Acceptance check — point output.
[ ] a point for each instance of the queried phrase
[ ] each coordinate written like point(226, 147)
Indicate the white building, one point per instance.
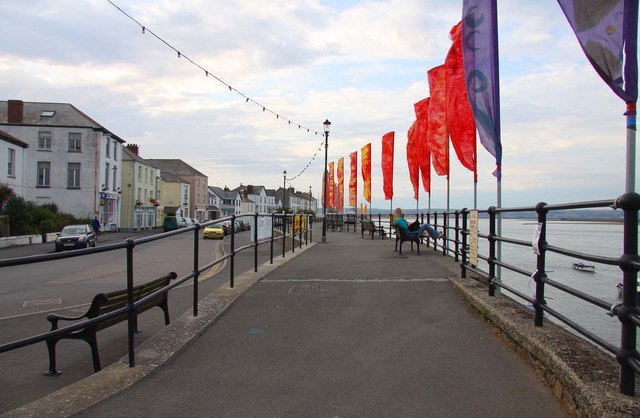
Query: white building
point(12, 162)
point(72, 160)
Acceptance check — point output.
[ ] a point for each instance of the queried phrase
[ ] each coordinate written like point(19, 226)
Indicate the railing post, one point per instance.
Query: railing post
point(233, 251)
point(540, 274)
point(196, 273)
point(273, 218)
point(255, 243)
point(445, 231)
point(456, 240)
point(131, 328)
point(465, 235)
point(630, 204)
point(284, 232)
point(492, 250)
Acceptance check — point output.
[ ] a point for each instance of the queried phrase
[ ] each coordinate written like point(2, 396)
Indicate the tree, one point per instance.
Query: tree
point(5, 193)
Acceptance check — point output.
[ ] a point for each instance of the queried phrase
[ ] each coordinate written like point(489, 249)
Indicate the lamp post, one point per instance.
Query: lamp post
point(284, 191)
point(327, 126)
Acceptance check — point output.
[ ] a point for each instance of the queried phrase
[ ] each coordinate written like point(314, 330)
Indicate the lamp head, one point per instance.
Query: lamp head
point(327, 126)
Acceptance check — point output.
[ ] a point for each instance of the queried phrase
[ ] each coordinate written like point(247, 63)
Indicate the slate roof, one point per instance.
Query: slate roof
point(175, 166)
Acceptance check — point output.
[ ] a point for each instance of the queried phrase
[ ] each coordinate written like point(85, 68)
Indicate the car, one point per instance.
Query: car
point(243, 226)
point(173, 222)
point(213, 231)
point(76, 236)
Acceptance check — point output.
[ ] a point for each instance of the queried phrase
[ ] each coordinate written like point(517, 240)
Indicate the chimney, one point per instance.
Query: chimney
point(15, 111)
point(133, 148)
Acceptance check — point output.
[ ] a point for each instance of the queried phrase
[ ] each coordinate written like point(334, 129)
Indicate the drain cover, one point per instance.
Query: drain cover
point(315, 287)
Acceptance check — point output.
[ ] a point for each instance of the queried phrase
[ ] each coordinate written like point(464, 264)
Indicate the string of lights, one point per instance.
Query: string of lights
point(232, 89)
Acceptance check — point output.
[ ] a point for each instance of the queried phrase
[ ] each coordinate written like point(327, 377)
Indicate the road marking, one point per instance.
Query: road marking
point(41, 302)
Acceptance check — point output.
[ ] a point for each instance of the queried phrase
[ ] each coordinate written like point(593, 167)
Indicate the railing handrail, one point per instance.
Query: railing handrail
point(129, 244)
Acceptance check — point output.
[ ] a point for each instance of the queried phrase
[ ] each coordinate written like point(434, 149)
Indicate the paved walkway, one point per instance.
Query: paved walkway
point(347, 328)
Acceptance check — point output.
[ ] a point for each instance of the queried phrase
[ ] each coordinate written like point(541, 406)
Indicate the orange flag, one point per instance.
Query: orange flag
point(437, 134)
point(412, 159)
point(340, 204)
point(366, 172)
point(460, 122)
point(424, 156)
point(353, 180)
point(387, 164)
point(331, 186)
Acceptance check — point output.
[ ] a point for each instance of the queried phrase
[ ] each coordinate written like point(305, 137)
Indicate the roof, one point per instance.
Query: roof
point(170, 177)
point(61, 115)
point(127, 154)
point(228, 194)
point(175, 166)
point(12, 140)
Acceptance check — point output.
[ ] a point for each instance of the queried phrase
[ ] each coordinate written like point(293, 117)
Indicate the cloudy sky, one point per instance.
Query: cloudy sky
point(360, 64)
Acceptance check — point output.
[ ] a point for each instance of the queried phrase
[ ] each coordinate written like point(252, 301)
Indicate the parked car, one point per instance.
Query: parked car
point(76, 236)
point(173, 222)
point(214, 231)
point(243, 226)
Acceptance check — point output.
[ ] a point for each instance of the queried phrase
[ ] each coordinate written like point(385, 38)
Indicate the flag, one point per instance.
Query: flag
point(387, 164)
point(437, 135)
point(424, 156)
point(462, 128)
point(331, 186)
point(353, 179)
point(366, 172)
point(412, 159)
point(340, 204)
point(480, 52)
point(606, 29)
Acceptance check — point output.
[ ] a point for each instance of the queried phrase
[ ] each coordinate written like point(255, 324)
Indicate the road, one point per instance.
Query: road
point(29, 292)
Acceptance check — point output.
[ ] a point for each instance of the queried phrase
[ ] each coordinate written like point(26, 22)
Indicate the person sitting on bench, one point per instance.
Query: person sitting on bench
point(402, 223)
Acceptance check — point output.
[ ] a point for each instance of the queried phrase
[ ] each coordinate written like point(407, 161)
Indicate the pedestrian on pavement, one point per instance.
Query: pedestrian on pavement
point(399, 221)
point(96, 224)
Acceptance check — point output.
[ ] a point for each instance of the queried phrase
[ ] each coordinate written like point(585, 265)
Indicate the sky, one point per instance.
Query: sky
point(360, 64)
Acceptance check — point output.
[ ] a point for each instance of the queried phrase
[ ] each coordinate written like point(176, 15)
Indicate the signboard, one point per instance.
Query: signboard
point(473, 237)
point(264, 228)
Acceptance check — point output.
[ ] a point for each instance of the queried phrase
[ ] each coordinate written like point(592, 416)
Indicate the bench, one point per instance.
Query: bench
point(367, 225)
point(334, 224)
point(402, 237)
point(104, 303)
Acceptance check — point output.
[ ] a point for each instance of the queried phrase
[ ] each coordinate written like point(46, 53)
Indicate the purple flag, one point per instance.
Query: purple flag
point(605, 28)
point(480, 53)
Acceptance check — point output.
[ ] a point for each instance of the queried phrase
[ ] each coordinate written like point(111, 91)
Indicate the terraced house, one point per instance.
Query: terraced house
point(71, 159)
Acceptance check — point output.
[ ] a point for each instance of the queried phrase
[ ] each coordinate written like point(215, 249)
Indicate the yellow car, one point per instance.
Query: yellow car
point(213, 231)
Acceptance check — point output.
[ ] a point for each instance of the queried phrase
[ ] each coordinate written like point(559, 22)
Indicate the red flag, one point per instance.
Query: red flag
point(412, 159)
point(387, 164)
point(437, 135)
point(424, 156)
point(353, 180)
point(340, 204)
point(332, 186)
point(366, 172)
point(460, 123)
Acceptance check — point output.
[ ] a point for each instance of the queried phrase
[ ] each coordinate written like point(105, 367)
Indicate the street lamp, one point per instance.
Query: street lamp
point(284, 191)
point(327, 126)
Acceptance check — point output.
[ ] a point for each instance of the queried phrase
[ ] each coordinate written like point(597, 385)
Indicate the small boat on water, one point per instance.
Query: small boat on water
point(584, 267)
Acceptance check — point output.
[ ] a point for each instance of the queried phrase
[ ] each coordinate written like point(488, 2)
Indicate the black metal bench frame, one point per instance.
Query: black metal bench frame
point(402, 237)
point(104, 303)
point(367, 225)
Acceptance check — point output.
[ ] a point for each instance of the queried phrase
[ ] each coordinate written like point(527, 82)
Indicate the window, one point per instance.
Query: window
point(139, 173)
point(44, 140)
point(114, 179)
point(106, 177)
point(139, 193)
point(11, 164)
point(146, 174)
point(115, 150)
point(73, 176)
point(107, 148)
point(47, 113)
point(44, 174)
point(75, 142)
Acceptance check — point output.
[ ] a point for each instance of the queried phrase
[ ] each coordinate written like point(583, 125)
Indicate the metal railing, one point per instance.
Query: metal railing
point(456, 227)
point(283, 227)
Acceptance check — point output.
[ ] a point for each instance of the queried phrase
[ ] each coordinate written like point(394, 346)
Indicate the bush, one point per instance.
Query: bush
point(5, 193)
point(20, 216)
